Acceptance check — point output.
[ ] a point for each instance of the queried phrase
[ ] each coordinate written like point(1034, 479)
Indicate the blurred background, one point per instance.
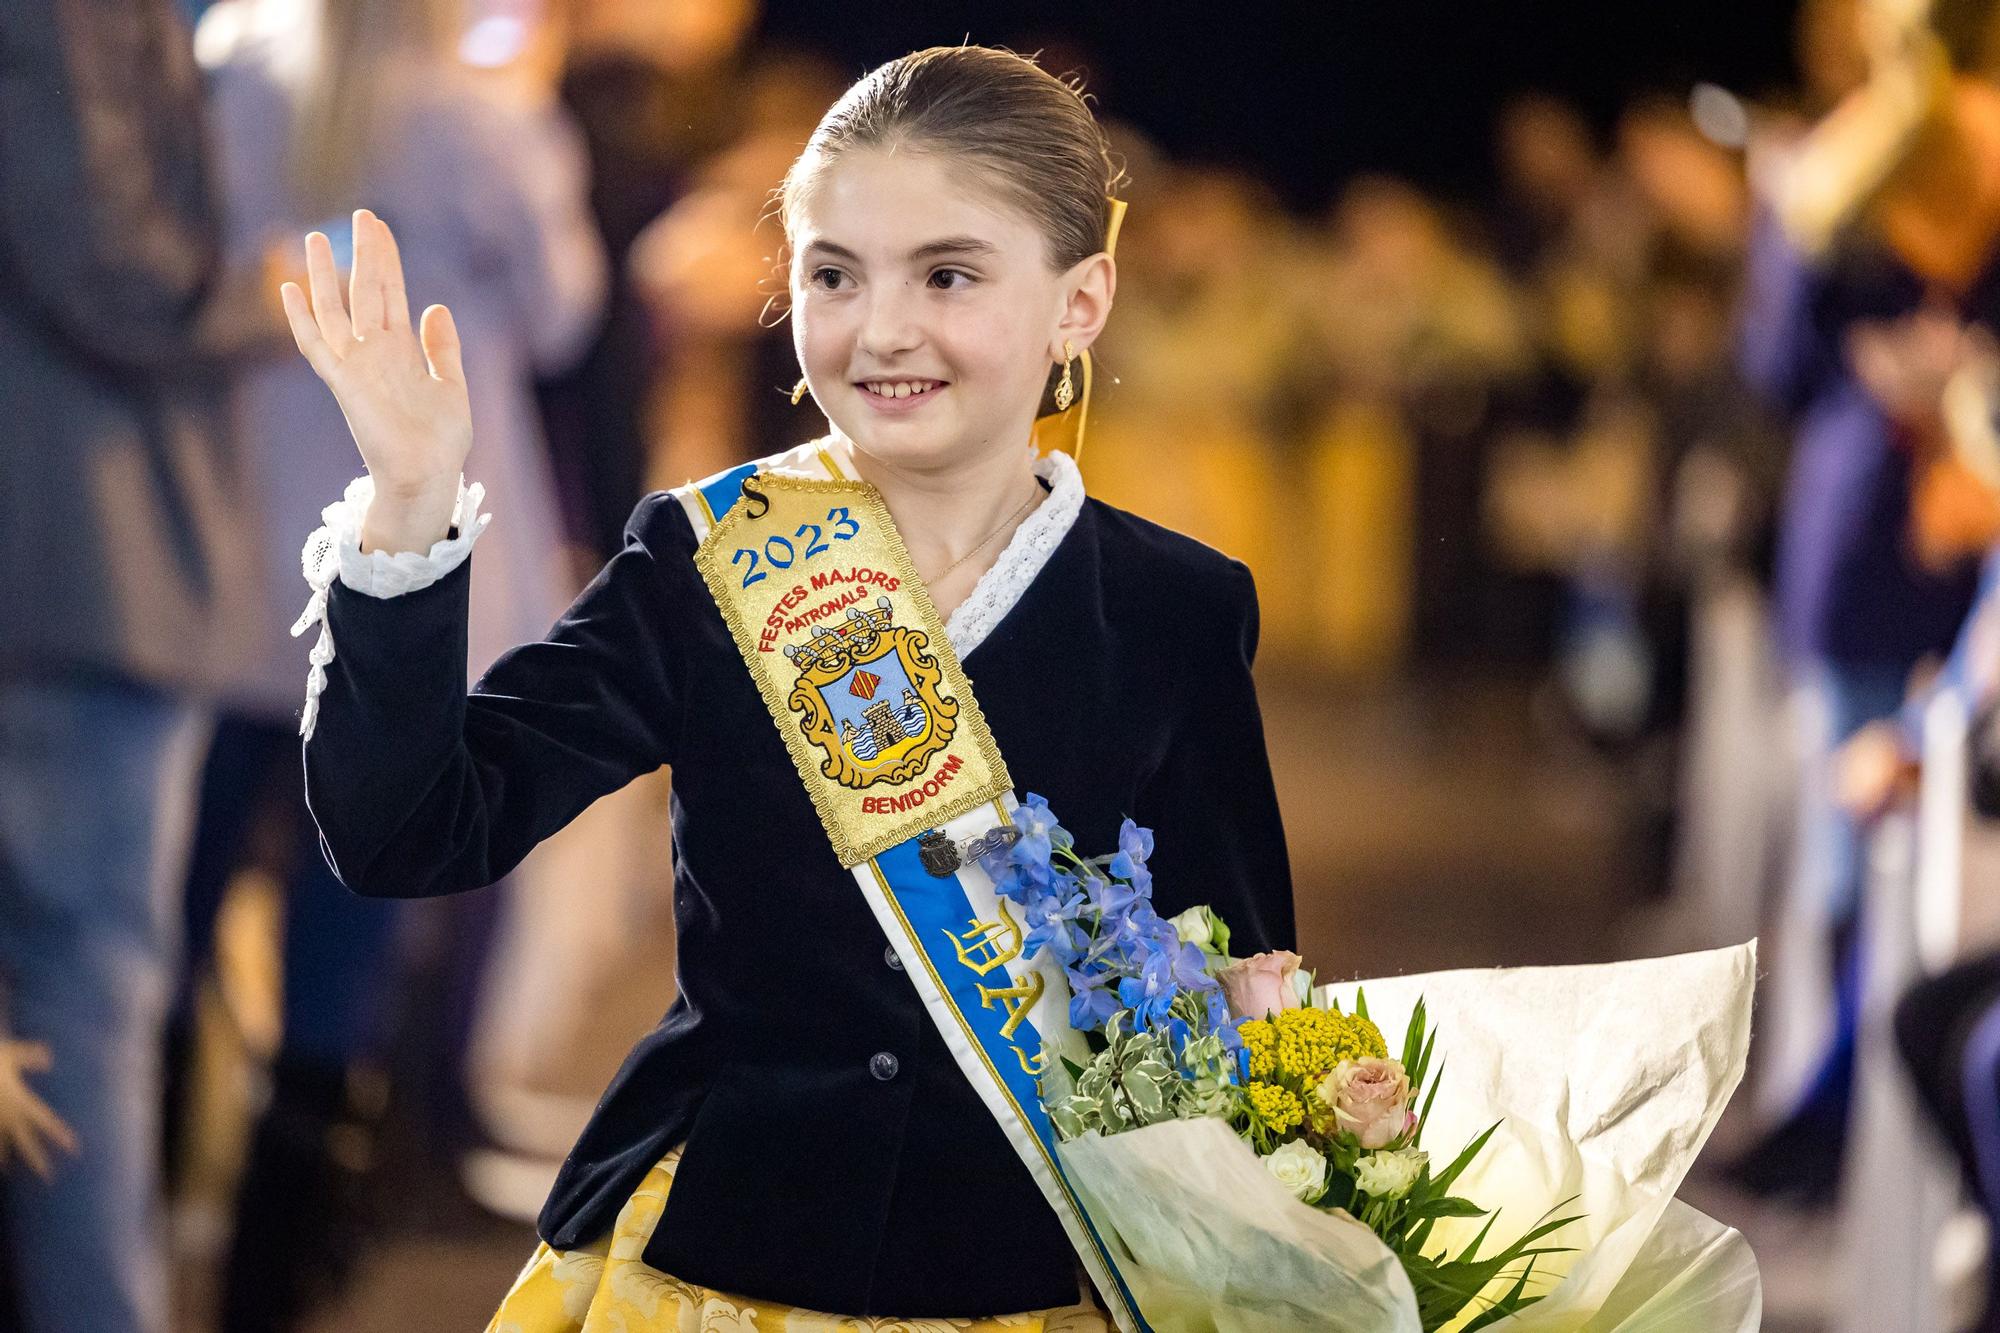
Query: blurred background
point(1604, 397)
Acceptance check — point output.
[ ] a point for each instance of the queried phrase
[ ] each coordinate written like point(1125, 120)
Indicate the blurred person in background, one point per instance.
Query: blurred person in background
point(1945, 1025)
point(1414, 318)
point(129, 552)
point(1550, 172)
point(708, 267)
point(318, 104)
point(1634, 441)
point(1884, 216)
point(655, 86)
point(1200, 313)
point(1829, 55)
point(1681, 598)
point(1556, 226)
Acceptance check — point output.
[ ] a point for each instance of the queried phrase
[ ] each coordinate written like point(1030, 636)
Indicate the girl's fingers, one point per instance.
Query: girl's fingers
point(33, 1056)
point(305, 330)
point(364, 298)
point(328, 312)
point(52, 1126)
point(36, 1157)
point(439, 334)
point(395, 301)
point(23, 1146)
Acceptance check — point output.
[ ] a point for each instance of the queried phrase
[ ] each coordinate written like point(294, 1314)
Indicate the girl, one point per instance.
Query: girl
point(947, 226)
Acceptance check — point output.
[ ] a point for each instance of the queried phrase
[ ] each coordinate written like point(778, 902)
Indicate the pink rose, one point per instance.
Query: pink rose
point(1261, 985)
point(1371, 1100)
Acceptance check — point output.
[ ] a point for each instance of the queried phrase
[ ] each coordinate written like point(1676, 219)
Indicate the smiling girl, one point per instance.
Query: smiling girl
point(796, 1135)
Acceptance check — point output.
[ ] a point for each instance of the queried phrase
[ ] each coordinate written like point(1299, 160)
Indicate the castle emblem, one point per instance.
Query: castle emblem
point(868, 697)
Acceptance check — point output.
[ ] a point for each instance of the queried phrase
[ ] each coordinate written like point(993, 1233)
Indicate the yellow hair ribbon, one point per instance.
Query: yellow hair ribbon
point(1064, 430)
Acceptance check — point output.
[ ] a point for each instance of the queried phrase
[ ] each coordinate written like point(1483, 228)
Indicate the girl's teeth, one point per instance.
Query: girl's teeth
point(902, 391)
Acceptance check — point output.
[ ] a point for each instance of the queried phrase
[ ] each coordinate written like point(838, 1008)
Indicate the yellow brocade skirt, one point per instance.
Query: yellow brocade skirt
point(607, 1288)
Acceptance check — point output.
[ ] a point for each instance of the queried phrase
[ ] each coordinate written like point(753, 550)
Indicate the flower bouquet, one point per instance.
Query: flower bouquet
point(1256, 1158)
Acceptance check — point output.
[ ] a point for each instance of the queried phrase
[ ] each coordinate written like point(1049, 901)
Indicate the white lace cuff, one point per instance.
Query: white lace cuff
point(334, 551)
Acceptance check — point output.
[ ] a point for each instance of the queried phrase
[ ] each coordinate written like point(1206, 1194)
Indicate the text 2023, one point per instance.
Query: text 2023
point(783, 552)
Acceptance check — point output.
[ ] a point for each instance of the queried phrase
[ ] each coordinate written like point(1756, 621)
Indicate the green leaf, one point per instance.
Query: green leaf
point(1446, 1207)
point(1464, 1159)
point(1424, 1116)
point(1479, 1239)
point(1413, 1038)
point(1548, 1228)
point(1419, 1077)
point(1513, 1302)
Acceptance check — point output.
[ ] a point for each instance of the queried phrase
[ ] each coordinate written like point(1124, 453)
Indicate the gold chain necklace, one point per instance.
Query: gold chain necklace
point(1005, 523)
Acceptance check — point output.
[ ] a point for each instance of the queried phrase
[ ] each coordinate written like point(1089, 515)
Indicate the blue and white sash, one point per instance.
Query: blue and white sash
point(853, 662)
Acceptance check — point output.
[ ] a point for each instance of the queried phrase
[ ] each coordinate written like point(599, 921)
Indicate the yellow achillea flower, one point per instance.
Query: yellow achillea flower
point(1312, 1041)
point(1278, 1108)
point(1261, 1040)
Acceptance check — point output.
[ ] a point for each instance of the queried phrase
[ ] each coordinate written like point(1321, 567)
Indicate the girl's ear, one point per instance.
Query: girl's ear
point(1090, 287)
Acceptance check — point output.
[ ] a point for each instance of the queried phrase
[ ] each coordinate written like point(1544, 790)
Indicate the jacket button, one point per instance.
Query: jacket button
point(889, 957)
point(883, 1065)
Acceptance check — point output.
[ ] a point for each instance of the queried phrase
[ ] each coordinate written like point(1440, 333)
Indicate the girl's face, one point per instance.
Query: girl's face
point(924, 310)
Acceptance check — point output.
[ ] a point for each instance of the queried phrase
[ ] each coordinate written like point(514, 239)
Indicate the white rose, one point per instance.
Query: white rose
point(1300, 1169)
point(1192, 927)
point(1389, 1175)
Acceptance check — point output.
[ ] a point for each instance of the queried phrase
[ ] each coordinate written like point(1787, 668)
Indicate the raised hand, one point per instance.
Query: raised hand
point(402, 391)
point(29, 1131)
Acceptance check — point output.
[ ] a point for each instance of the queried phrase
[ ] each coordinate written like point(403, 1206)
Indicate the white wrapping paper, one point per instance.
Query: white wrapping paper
point(1208, 1239)
point(1608, 1080)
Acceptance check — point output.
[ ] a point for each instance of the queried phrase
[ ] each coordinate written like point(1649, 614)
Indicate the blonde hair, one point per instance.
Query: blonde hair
point(1029, 134)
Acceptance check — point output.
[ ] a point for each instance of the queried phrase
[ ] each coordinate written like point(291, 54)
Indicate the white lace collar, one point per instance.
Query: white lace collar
point(1003, 585)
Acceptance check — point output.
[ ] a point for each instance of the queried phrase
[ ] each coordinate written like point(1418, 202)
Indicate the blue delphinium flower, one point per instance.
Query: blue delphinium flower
point(1097, 917)
point(1092, 1000)
point(1025, 866)
point(1148, 994)
point(1220, 1023)
point(1135, 842)
point(1010, 881)
point(1148, 922)
point(1189, 966)
point(1152, 935)
point(1138, 879)
point(1040, 833)
point(1113, 949)
point(1111, 897)
point(997, 861)
point(1053, 921)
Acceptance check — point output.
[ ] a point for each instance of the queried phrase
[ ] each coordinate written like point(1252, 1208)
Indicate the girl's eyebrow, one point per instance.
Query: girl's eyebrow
point(953, 245)
point(949, 245)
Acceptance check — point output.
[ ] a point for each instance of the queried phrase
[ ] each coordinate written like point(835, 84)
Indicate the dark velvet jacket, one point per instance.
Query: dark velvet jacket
point(1119, 684)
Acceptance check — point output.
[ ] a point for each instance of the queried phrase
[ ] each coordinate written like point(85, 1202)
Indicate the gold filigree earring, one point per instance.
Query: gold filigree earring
point(1065, 387)
point(798, 391)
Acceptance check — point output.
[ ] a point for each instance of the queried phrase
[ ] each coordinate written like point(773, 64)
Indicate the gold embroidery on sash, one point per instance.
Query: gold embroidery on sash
point(852, 661)
point(989, 944)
